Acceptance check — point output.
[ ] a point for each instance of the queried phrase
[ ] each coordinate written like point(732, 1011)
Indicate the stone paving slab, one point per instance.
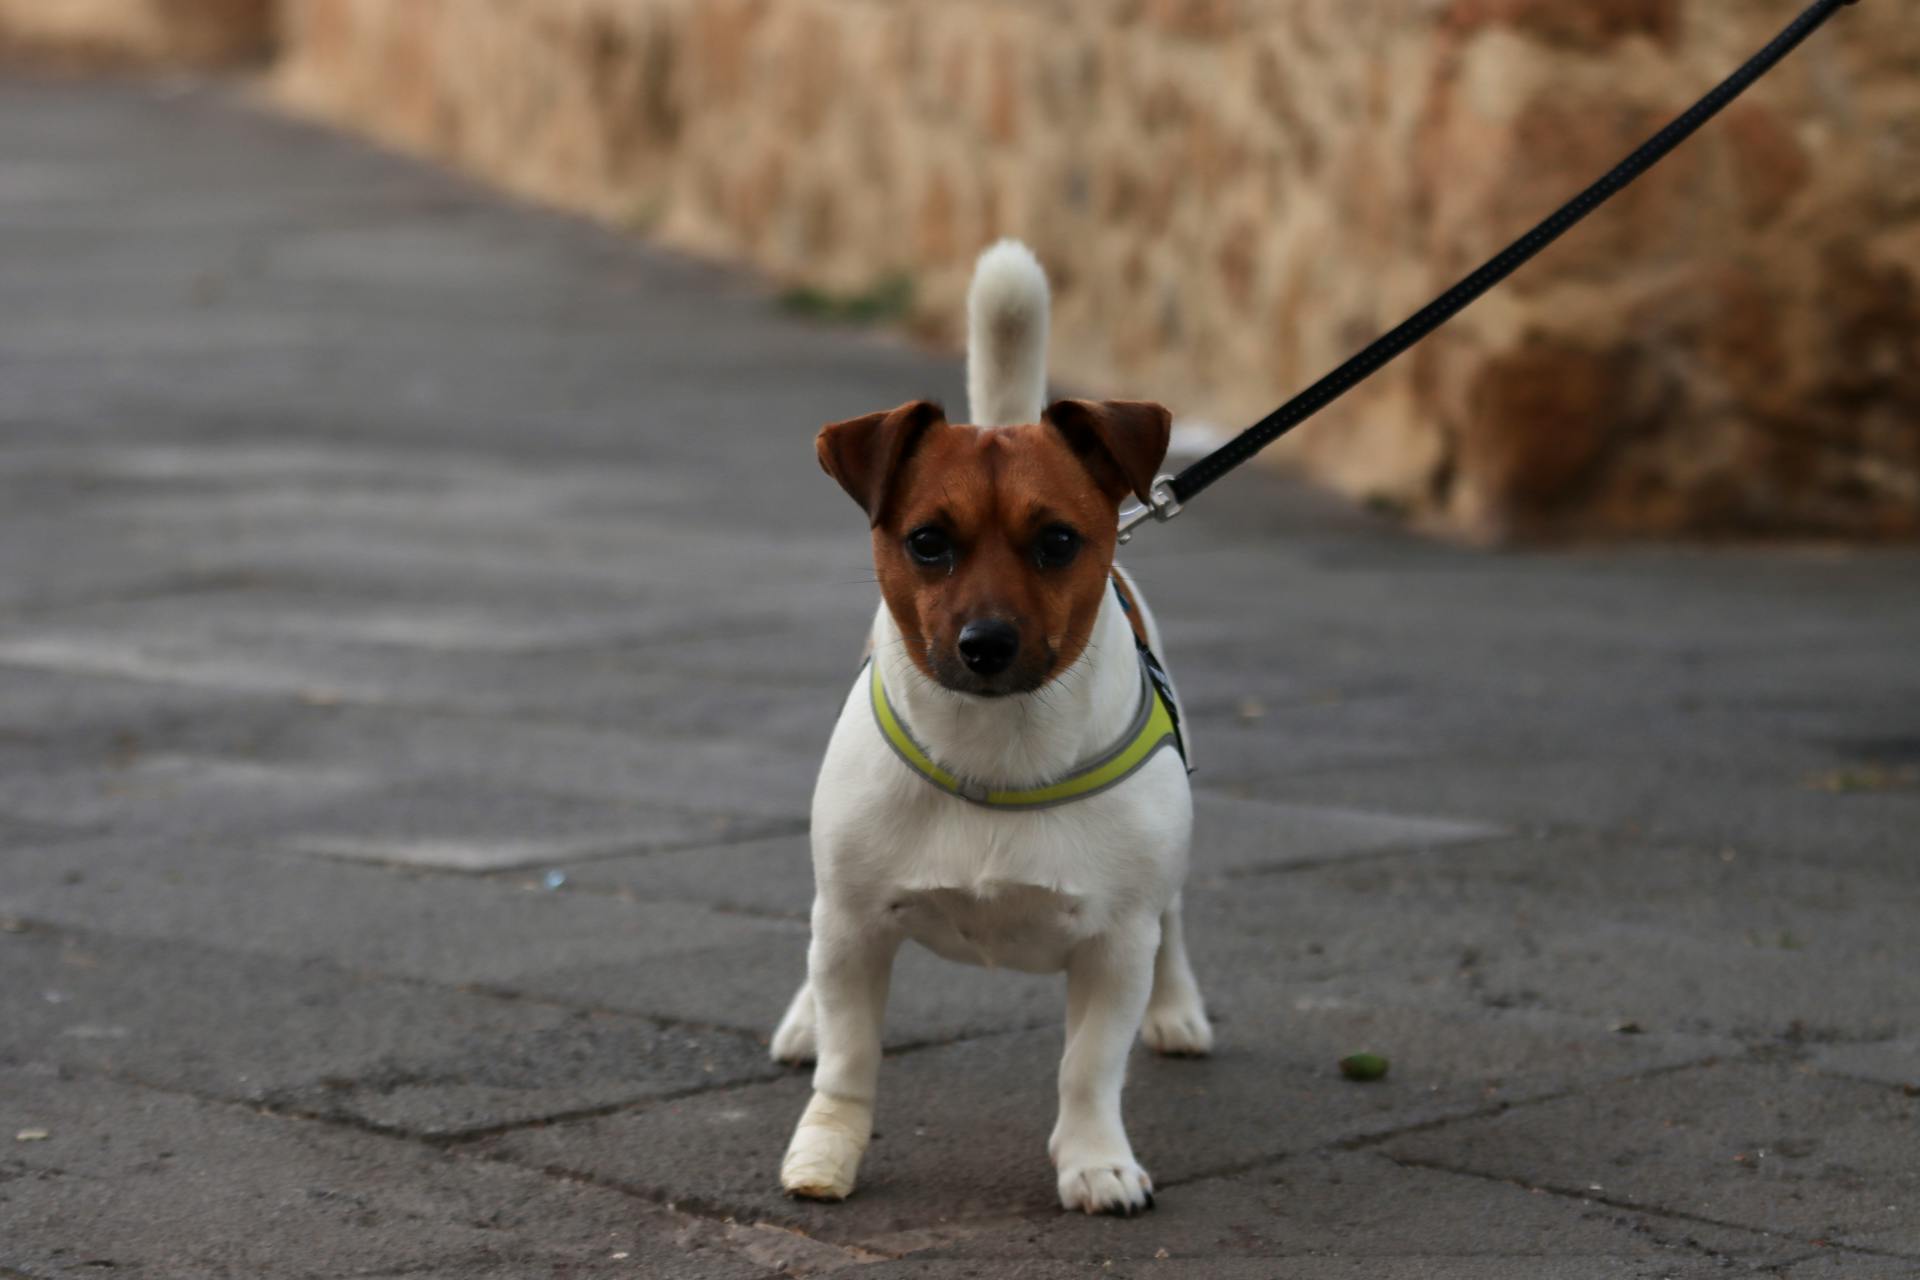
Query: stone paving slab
point(963, 1127)
point(305, 1037)
point(1359, 1205)
point(168, 1186)
point(1841, 1265)
point(449, 929)
point(1307, 1268)
point(471, 540)
point(1894, 1062)
point(41, 708)
point(771, 876)
point(1236, 835)
point(1767, 1147)
point(748, 987)
point(1665, 938)
point(467, 827)
point(1265, 722)
point(69, 754)
point(150, 793)
point(740, 774)
point(1633, 794)
point(598, 686)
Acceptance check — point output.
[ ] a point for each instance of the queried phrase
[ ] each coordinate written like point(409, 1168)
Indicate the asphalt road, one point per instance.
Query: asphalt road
point(420, 617)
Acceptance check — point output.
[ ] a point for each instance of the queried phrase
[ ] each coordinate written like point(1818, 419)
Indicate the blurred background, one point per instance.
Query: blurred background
point(1232, 195)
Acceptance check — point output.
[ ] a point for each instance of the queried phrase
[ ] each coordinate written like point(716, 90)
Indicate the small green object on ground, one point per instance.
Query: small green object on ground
point(1363, 1066)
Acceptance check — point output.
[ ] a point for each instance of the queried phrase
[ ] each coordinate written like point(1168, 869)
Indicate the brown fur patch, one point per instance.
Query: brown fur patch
point(991, 492)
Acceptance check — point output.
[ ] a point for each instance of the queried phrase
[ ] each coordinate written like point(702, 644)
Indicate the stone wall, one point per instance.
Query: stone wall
point(1232, 195)
point(164, 32)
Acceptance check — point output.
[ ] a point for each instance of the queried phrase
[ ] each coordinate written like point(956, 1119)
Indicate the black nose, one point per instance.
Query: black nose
point(987, 646)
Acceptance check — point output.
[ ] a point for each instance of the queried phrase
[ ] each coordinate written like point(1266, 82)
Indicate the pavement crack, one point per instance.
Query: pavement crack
point(460, 1147)
point(595, 1112)
point(278, 1104)
point(1367, 1141)
point(288, 1110)
point(715, 1214)
point(602, 1110)
point(28, 924)
point(1589, 1195)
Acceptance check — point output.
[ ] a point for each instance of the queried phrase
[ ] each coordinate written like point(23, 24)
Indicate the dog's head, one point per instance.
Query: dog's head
point(993, 546)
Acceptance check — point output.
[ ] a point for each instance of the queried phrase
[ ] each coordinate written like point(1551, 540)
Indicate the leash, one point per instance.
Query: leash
point(1169, 493)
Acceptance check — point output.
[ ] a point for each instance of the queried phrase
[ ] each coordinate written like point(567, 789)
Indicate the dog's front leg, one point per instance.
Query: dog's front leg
point(848, 967)
point(1108, 979)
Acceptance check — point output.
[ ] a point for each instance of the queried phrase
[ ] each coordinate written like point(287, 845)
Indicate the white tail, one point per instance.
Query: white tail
point(1007, 337)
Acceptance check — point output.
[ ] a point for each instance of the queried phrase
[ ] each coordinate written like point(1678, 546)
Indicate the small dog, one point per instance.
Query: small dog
point(1006, 784)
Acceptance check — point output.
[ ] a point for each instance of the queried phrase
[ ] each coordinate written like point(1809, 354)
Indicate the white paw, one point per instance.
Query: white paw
point(823, 1159)
point(1181, 1031)
point(793, 1042)
point(1120, 1187)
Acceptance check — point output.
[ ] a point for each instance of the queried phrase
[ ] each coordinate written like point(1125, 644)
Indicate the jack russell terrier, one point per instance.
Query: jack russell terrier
point(1007, 783)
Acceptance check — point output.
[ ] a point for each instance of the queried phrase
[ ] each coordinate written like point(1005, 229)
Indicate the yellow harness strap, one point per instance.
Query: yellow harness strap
point(1153, 728)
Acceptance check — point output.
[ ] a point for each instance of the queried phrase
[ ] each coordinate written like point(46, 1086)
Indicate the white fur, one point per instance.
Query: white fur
point(1006, 337)
point(1090, 888)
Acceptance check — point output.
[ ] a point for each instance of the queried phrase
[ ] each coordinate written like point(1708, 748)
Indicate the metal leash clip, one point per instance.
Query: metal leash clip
point(1160, 504)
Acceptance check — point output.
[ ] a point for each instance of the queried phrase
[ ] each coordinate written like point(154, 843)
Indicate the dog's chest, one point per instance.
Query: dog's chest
point(1011, 926)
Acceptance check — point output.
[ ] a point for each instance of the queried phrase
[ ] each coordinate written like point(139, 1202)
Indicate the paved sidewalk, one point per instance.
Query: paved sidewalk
point(420, 617)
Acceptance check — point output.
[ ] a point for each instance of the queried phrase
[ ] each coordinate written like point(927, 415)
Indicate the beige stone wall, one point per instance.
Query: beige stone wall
point(169, 32)
point(1232, 195)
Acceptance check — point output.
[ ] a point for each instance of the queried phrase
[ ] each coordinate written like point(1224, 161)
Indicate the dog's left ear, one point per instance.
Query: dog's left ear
point(1120, 442)
point(865, 454)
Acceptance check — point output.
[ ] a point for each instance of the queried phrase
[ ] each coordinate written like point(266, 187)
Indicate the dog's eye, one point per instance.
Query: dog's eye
point(929, 545)
point(1055, 547)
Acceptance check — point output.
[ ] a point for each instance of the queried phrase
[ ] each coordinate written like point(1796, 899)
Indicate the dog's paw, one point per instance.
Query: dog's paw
point(793, 1042)
point(1180, 1032)
point(823, 1159)
point(1120, 1187)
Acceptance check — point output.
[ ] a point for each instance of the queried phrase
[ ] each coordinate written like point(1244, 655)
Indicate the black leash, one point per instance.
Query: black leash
point(1170, 492)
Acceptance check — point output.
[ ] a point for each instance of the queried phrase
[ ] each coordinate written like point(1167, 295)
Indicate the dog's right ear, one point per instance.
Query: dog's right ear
point(865, 454)
point(1120, 442)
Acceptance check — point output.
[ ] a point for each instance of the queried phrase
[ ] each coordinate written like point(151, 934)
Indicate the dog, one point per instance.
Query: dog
point(1006, 784)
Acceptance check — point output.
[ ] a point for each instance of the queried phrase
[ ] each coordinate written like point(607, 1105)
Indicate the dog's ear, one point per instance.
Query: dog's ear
point(865, 454)
point(1121, 443)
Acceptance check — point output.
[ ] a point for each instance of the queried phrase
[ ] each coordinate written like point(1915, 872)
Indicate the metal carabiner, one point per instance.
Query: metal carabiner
point(1160, 504)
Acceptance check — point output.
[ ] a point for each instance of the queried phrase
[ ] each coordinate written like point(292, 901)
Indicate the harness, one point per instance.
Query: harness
point(1155, 724)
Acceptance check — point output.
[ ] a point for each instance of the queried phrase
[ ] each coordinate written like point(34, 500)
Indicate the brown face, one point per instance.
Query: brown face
point(993, 546)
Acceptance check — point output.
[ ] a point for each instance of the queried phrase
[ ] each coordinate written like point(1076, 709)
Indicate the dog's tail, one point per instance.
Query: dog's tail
point(1007, 337)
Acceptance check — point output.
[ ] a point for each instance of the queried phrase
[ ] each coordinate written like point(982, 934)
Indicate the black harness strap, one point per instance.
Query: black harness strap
point(1156, 674)
point(1436, 313)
